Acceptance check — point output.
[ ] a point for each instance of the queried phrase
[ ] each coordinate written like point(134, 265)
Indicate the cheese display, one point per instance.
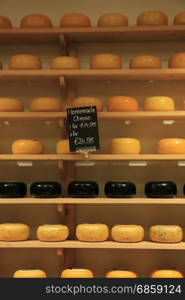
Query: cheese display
point(27, 147)
point(145, 62)
point(125, 146)
point(77, 273)
point(75, 20)
point(152, 18)
point(127, 233)
point(160, 189)
point(179, 19)
point(171, 146)
point(166, 274)
point(92, 232)
point(159, 103)
point(12, 189)
point(118, 189)
point(45, 189)
point(12, 232)
point(65, 63)
point(24, 62)
point(120, 274)
point(52, 233)
point(83, 189)
point(63, 147)
point(5, 22)
point(46, 104)
point(88, 101)
point(112, 19)
point(35, 21)
point(29, 274)
point(10, 105)
point(122, 103)
point(166, 233)
point(105, 61)
point(177, 61)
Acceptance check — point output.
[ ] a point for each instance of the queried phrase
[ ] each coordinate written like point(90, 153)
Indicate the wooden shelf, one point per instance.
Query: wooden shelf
point(23, 116)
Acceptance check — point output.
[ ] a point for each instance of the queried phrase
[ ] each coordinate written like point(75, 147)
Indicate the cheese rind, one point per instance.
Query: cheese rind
point(122, 103)
point(152, 18)
point(177, 61)
point(171, 146)
point(52, 233)
point(65, 63)
point(45, 104)
point(166, 274)
point(29, 274)
point(5, 22)
point(105, 61)
point(88, 101)
point(127, 233)
point(166, 233)
point(179, 19)
point(112, 19)
point(77, 273)
point(145, 62)
point(92, 232)
point(75, 20)
point(62, 147)
point(35, 21)
point(27, 147)
point(125, 146)
point(10, 105)
point(11, 232)
point(120, 274)
point(159, 103)
point(24, 62)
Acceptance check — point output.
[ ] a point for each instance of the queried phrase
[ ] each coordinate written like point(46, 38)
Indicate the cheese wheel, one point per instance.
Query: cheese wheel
point(125, 146)
point(177, 61)
point(29, 274)
point(11, 232)
point(5, 22)
point(45, 104)
point(127, 233)
point(92, 232)
point(65, 63)
point(63, 147)
point(166, 233)
point(159, 103)
point(113, 19)
point(122, 103)
point(88, 101)
point(179, 19)
point(166, 274)
point(152, 18)
point(24, 62)
point(120, 274)
point(27, 147)
point(171, 146)
point(77, 273)
point(145, 62)
point(52, 233)
point(35, 21)
point(105, 61)
point(75, 20)
point(10, 104)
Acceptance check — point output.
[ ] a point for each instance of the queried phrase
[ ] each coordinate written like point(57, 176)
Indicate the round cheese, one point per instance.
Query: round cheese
point(63, 147)
point(24, 62)
point(11, 232)
point(5, 22)
point(145, 62)
point(92, 232)
point(10, 104)
point(113, 19)
point(29, 274)
point(65, 63)
point(88, 101)
point(171, 146)
point(166, 233)
point(75, 20)
point(159, 103)
point(105, 61)
point(52, 233)
point(177, 61)
point(122, 103)
point(127, 233)
point(27, 147)
point(125, 146)
point(35, 21)
point(77, 273)
point(179, 19)
point(45, 104)
point(152, 18)
point(166, 274)
point(120, 274)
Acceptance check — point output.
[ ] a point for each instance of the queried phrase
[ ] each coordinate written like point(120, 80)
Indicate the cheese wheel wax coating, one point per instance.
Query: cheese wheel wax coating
point(35, 21)
point(112, 19)
point(122, 103)
point(88, 101)
point(152, 18)
point(127, 233)
point(125, 146)
point(145, 62)
point(177, 61)
point(75, 20)
point(77, 273)
point(171, 146)
point(52, 233)
point(179, 19)
point(166, 234)
point(92, 232)
point(120, 274)
point(12, 232)
point(166, 274)
point(159, 103)
point(27, 147)
point(63, 147)
point(29, 274)
point(65, 63)
point(105, 61)
point(5, 22)
point(24, 62)
point(46, 104)
point(10, 104)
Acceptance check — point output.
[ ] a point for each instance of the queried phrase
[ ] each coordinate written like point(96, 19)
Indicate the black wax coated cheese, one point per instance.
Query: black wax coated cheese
point(83, 189)
point(115, 189)
point(13, 189)
point(45, 189)
point(160, 189)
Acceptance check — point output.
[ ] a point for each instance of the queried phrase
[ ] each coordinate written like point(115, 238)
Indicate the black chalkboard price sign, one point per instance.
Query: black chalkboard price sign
point(83, 129)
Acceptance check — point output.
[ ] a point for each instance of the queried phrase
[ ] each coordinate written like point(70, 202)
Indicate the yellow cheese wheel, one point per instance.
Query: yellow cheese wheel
point(77, 273)
point(35, 21)
point(5, 22)
point(29, 274)
point(75, 20)
point(152, 18)
point(127, 233)
point(171, 146)
point(63, 147)
point(166, 274)
point(145, 62)
point(52, 233)
point(113, 19)
point(65, 63)
point(179, 19)
point(10, 104)
point(24, 62)
point(125, 146)
point(166, 233)
point(120, 274)
point(11, 232)
point(92, 232)
point(122, 103)
point(177, 61)
point(105, 61)
point(88, 101)
point(159, 103)
point(45, 104)
point(27, 147)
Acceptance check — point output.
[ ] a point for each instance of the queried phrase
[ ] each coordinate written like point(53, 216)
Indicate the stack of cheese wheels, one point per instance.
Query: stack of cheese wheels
point(177, 61)
point(145, 62)
point(159, 103)
point(166, 274)
point(27, 147)
point(92, 232)
point(24, 62)
point(88, 101)
point(14, 232)
point(112, 19)
point(10, 104)
point(122, 103)
point(52, 233)
point(63, 147)
point(120, 274)
point(75, 20)
point(35, 21)
point(171, 146)
point(29, 274)
point(45, 104)
point(77, 273)
point(152, 18)
point(125, 146)
point(127, 233)
point(5, 22)
point(179, 19)
point(105, 61)
point(65, 63)
point(166, 234)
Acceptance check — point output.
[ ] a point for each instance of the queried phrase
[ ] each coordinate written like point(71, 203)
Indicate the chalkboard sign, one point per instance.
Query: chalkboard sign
point(83, 128)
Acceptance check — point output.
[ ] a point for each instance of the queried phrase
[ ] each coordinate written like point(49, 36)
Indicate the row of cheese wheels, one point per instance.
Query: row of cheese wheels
point(92, 233)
